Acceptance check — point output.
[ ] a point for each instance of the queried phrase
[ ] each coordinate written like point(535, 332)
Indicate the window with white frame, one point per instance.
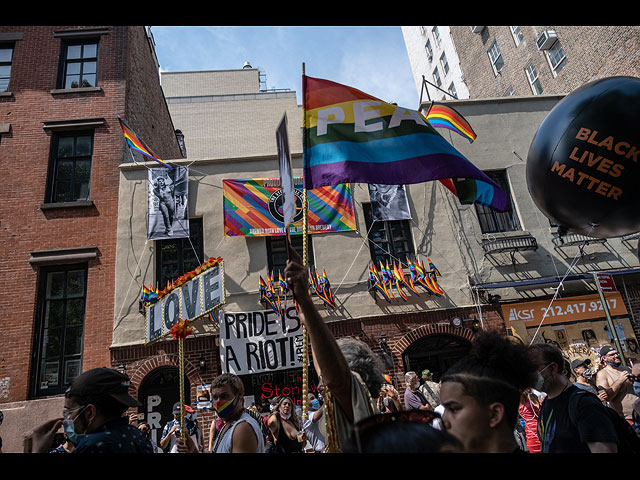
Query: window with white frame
point(436, 77)
point(496, 58)
point(6, 57)
point(423, 31)
point(436, 35)
point(452, 90)
point(444, 63)
point(557, 58)
point(429, 50)
point(518, 36)
point(534, 81)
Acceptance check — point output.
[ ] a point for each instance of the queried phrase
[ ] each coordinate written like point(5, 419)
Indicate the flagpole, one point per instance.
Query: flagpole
point(305, 340)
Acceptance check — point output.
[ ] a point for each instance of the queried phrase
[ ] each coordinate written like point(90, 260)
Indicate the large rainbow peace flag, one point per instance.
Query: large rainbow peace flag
point(353, 137)
point(253, 208)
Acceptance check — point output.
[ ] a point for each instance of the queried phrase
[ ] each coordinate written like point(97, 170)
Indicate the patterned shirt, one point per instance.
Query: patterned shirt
point(117, 436)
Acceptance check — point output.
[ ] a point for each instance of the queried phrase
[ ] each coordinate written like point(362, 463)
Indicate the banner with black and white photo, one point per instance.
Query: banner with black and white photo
point(260, 341)
point(168, 210)
point(389, 202)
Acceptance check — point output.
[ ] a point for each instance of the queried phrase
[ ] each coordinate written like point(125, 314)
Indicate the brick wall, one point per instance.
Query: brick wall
point(24, 157)
point(592, 52)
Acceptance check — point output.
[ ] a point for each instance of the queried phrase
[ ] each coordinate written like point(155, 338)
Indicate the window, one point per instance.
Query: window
point(444, 63)
point(534, 81)
point(452, 90)
point(518, 37)
point(179, 256)
point(436, 35)
point(436, 77)
point(496, 58)
point(388, 241)
point(429, 50)
point(423, 31)
point(79, 64)
point(6, 57)
point(277, 252)
point(557, 58)
point(492, 221)
point(60, 330)
point(70, 174)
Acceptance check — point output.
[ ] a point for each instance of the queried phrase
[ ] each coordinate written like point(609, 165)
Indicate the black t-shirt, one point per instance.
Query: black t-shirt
point(562, 432)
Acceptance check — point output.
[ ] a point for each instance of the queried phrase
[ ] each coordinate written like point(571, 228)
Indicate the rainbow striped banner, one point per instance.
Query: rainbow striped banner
point(353, 137)
point(253, 208)
point(444, 116)
point(138, 145)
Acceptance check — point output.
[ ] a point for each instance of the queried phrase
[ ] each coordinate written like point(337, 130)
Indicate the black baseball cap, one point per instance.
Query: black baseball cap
point(580, 361)
point(606, 349)
point(103, 381)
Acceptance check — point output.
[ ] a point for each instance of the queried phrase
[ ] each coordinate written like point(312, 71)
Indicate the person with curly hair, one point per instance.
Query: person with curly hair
point(481, 394)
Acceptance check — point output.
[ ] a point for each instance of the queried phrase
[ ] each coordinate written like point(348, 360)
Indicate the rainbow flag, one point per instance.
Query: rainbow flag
point(138, 145)
point(387, 378)
point(444, 116)
point(353, 137)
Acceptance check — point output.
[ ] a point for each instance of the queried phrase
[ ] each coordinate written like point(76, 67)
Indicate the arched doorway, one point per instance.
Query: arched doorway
point(158, 392)
point(437, 352)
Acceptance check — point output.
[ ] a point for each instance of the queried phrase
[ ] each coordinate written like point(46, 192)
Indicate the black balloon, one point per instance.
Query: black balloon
point(583, 166)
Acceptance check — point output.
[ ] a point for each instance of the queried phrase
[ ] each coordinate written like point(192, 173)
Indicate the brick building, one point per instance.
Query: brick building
point(62, 90)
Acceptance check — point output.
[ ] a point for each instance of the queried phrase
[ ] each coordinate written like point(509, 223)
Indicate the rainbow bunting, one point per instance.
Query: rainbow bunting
point(138, 145)
point(444, 116)
point(395, 146)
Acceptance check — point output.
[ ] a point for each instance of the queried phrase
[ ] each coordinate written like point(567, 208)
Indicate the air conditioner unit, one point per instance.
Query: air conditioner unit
point(476, 29)
point(547, 39)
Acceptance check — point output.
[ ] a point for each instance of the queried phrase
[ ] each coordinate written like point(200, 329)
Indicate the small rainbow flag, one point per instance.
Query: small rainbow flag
point(387, 378)
point(444, 116)
point(138, 145)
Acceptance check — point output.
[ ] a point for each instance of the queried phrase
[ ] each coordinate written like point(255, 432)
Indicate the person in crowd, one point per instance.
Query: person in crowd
point(413, 398)
point(171, 430)
point(571, 419)
point(584, 379)
point(93, 417)
point(216, 425)
point(145, 429)
point(617, 381)
point(63, 445)
point(240, 433)
point(529, 412)
point(312, 425)
point(481, 394)
point(286, 428)
point(430, 389)
point(392, 400)
point(351, 373)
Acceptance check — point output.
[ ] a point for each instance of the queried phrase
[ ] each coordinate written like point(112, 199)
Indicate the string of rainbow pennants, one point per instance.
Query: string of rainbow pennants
point(274, 292)
point(384, 278)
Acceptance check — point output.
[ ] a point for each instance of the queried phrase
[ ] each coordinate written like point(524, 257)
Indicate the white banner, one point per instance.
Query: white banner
point(199, 296)
point(260, 341)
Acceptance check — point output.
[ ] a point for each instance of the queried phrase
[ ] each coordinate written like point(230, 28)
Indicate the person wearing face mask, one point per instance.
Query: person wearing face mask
point(616, 380)
point(285, 428)
point(240, 432)
point(93, 417)
point(571, 420)
point(585, 379)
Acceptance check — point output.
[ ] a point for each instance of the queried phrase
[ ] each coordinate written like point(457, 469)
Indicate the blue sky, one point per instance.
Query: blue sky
point(371, 59)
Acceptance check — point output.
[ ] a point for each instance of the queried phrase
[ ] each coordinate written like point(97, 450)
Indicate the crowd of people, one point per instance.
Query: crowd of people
point(503, 397)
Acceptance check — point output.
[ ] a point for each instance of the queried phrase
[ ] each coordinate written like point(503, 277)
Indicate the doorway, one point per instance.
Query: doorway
point(436, 352)
point(158, 392)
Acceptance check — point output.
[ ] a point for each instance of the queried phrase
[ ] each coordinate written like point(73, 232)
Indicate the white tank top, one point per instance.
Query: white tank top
point(224, 445)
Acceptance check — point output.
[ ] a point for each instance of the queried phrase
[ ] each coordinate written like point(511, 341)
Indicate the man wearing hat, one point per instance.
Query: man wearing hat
point(616, 380)
point(430, 389)
point(93, 418)
point(172, 429)
point(584, 378)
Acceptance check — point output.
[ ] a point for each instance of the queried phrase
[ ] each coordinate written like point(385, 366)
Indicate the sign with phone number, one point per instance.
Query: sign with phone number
point(563, 310)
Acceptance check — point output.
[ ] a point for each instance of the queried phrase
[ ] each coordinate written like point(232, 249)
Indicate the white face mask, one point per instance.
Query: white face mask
point(539, 383)
point(588, 373)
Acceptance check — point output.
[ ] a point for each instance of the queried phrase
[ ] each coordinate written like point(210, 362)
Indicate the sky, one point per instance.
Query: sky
point(371, 59)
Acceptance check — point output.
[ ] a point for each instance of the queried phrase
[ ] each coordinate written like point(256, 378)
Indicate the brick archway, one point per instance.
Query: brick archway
point(150, 364)
point(401, 344)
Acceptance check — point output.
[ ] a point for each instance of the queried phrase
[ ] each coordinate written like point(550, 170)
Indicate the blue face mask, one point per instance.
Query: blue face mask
point(315, 404)
point(70, 429)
